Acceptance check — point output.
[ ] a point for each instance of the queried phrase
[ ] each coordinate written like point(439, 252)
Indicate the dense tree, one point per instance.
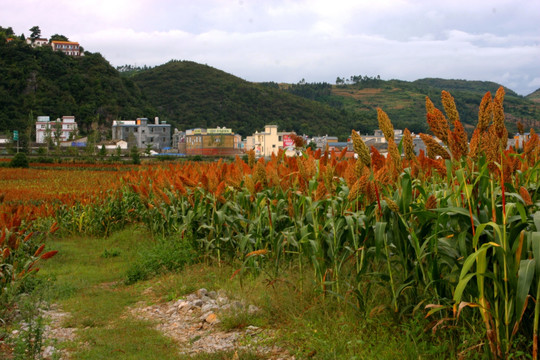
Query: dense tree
point(58, 37)
point(38, 81)
point(35, 33)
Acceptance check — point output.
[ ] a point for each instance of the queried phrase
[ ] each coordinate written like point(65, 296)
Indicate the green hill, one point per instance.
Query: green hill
point(188, 95)
point(191, 95)
point(405, 101)
point(535, 96)
point(42, 82)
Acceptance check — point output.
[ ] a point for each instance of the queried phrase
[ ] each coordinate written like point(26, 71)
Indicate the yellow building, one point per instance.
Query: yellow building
point(270, 141)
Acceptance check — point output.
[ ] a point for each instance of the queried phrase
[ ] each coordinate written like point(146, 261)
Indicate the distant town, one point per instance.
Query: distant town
point(156, 137)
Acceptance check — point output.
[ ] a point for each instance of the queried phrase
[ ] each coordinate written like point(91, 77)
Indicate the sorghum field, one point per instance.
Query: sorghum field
point(452, 234)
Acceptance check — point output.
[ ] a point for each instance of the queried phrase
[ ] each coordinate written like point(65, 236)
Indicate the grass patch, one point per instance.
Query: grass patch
point(165, 256)
point(91, 288)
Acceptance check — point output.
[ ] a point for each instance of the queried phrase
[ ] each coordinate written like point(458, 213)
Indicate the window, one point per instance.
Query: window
point(274, 146)
point(279, 138)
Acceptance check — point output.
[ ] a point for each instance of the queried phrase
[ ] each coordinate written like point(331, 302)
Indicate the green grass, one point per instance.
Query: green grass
point(91, 288)
point(309, 325)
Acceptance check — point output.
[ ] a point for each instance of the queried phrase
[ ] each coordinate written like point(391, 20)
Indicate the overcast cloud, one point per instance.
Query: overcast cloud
point(287, 40)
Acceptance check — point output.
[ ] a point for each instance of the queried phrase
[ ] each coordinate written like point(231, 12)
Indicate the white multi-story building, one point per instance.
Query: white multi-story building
point(65, 127)
point(67, 47)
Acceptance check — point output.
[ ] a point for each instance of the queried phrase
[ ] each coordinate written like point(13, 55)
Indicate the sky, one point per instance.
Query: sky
point(315, 40)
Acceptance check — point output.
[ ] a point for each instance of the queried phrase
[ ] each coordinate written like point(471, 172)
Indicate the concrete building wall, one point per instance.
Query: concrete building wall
point(142, 134)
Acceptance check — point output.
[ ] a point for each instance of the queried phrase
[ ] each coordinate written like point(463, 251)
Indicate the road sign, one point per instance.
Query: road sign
point(15, 135)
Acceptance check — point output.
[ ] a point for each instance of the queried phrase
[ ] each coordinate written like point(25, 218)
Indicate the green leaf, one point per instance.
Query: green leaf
point(479, 255)
point(480, 230)
point(536, 218)
point(406, 195)
point(457, 210)
point(535, 239)
point(525, 277)
point(458, 292)
point(379, 237)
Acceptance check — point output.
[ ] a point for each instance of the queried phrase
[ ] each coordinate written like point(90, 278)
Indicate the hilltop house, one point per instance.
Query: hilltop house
point(67, 47)
point(37, 42)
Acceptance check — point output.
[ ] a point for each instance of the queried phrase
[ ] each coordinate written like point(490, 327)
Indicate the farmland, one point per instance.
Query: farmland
point(451, 237)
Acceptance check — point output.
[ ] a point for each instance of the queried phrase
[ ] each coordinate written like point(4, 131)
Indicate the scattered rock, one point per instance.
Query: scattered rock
point(192, 323)
point(54, 333)
point(211, 319)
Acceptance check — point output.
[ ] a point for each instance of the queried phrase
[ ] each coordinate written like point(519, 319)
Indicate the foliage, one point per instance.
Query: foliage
point(191, 95)
point(19, 161)
point(135, 157)
point(167, 255)
point(44, 82)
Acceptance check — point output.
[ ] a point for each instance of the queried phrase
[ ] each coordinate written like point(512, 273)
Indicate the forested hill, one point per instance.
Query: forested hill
point(535, 96)
point(192, 95)
point(186, 94)
point(404, 101)
point(42, 82)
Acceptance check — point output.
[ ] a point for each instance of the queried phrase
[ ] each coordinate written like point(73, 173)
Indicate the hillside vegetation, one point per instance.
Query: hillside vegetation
point(42, 82)
point(405, 101)
point(192, 95)
point(186, 94)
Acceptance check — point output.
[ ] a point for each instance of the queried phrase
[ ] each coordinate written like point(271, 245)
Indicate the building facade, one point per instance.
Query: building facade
point(270, 141)
point(65, 127)
point(67, 47)
point(142, 134)
point(37, 42)
point(211, 142)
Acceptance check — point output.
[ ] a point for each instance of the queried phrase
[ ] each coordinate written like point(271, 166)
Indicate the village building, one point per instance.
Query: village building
point(114, 145)
point(322, 141)
point(212, 142)
point(65, 128)
point(38, 42)
point(179, 141)
point(143, 134)
point(270, 141)
point(67, 47)
point(519, 140)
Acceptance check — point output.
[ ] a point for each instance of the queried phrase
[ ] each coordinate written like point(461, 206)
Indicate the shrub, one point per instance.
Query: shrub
point(19, 161)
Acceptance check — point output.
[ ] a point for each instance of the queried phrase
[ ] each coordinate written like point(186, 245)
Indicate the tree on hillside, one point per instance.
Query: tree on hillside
point(58, 37)
point(35, 33)
point(58, 133)
point(7, 31)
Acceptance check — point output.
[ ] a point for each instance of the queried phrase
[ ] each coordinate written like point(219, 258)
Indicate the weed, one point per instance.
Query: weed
point(110, 253)
point(165, 256)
